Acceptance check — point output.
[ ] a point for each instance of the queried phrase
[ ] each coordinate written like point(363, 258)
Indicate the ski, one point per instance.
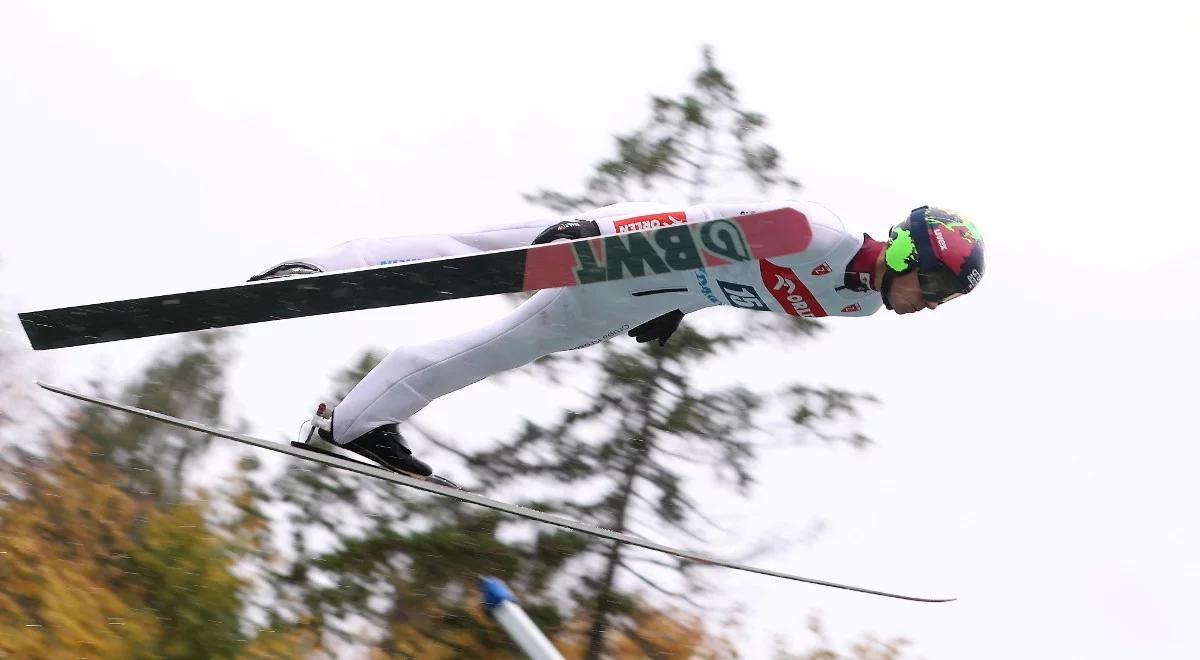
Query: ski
point(655, 250)
point(433, 478)
point(368, 470)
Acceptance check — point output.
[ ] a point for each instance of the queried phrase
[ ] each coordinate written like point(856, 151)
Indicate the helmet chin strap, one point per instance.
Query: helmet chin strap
point(885, 287)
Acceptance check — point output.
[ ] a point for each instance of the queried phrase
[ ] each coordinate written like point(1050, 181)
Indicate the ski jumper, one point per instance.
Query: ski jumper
point(809, 284)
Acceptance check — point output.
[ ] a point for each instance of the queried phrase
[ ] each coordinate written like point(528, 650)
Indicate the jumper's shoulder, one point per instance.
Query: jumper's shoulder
point(830, 235)
point(823, 220)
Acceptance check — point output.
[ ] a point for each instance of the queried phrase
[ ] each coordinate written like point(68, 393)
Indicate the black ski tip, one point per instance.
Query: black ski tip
point(935, 600)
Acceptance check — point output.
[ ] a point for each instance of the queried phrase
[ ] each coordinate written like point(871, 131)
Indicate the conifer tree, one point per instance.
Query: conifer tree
point(186, 380)
point(632, 459)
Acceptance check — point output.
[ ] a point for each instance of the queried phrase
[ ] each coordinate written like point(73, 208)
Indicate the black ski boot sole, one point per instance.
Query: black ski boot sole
point(433, 478)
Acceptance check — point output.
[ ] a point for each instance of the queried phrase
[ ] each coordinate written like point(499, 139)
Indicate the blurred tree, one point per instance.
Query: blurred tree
point(92, 570)
point(867, 649)
point(12, 369)
point(186, 381)
point(692, 146)
point(654, 633)
point(362, 550)
point(630, 460)
point(104, 554)
point(409, 570)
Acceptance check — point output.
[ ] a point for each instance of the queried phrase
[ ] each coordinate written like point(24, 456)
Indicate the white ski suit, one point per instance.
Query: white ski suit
point(808, 284)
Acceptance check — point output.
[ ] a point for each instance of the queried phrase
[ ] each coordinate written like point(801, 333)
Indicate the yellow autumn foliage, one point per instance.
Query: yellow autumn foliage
point(662, 634)
point(89, 570)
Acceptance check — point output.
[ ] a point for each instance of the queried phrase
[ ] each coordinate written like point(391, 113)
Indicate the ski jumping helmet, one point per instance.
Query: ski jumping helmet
point(945, 249)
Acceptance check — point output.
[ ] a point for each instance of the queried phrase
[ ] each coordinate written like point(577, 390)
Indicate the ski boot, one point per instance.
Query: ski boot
point(286, 270)
point(383, 445)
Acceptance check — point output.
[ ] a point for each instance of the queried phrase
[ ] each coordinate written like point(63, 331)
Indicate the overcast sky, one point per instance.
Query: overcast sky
point(1036, 449)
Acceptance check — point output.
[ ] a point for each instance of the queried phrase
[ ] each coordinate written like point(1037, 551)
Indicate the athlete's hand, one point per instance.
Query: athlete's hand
point(286, 270)
point(568, 230)
point(660, 328)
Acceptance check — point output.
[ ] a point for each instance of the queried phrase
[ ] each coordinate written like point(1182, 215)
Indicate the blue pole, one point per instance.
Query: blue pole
point(502, 605)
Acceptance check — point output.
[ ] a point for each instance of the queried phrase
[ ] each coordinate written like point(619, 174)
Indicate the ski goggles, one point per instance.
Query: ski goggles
point(936, 287)
point(939, 285)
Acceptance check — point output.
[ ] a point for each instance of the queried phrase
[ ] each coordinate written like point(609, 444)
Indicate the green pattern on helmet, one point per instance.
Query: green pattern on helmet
point(954, 221)
point(901, 253)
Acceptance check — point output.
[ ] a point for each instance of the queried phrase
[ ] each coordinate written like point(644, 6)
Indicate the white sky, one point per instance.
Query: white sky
point(160, 146)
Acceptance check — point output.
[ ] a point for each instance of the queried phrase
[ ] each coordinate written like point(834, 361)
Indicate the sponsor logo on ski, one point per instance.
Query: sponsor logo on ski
point(793, 296)
point(973, 277)
point(823, 269)
point(702, 280)
point(667, 249)
point(852, 308)
point(650, 221)
point(743, 295)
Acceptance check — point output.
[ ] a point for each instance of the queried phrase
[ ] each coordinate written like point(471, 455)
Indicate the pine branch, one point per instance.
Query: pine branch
point(660, 589)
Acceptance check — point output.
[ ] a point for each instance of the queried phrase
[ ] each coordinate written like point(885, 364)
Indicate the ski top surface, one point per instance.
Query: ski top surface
point(465, 496)
point(667, 248)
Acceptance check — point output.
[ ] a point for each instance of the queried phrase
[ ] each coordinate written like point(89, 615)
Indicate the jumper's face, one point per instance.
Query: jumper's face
point(904, 294)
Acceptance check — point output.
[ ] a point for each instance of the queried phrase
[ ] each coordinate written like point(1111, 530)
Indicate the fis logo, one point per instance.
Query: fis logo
point(650, 221)
point(849, 309)
point(823, 269)
point(744, 296)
